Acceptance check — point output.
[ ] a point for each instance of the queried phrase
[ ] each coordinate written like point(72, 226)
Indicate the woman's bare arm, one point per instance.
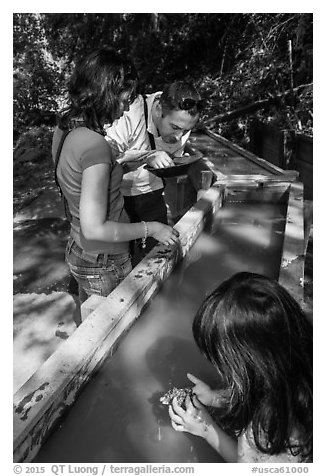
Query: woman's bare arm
point(93, 210)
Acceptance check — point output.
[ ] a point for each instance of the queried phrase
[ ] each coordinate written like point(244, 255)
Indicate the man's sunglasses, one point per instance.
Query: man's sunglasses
point(188, 103)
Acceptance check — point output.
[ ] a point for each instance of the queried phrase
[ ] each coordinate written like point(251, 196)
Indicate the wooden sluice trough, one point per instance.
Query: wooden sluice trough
point(48, 394)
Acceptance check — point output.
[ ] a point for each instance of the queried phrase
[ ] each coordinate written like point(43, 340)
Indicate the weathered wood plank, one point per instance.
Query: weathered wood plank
point(305, 171)
point(179, 195)
point(292, 265)
point(201, 175)
point(308, 219)
point(285, 148)
point(249, 155)
point(90, 305)
point(53, 388)
point(268, 141)
point(263, 193)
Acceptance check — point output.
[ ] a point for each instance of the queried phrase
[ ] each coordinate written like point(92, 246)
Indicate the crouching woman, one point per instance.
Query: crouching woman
point(260, 342)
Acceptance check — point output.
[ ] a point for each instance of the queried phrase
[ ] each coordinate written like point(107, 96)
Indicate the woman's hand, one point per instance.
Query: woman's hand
point(203, 391)
point(207, 396)
point(195, 419)
point(163, 233)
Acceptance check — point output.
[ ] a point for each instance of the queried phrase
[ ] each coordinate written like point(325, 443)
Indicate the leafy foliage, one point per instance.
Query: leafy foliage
point(234, 59)
point(260, 68)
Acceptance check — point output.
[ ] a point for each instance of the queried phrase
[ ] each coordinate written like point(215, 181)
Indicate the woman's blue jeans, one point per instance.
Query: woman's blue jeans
point(96, 274)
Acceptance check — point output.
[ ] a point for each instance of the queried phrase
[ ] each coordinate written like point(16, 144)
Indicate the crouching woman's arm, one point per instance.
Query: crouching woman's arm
point(196, 420)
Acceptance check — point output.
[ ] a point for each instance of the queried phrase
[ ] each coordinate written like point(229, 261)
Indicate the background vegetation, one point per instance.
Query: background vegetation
point(234, 59)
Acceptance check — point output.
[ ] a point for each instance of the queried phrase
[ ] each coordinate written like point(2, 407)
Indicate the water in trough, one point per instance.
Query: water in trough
point(118, 417)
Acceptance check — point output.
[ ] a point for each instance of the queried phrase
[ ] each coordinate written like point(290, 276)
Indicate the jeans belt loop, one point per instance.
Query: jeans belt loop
point(70, 244)
point(91, 257)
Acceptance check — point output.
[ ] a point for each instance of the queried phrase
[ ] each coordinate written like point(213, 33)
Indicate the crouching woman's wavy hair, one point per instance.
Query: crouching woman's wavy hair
point(260, 341)
point(101, 86)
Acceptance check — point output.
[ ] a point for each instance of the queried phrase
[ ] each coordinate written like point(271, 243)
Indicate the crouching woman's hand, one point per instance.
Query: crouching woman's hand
point(196, 420)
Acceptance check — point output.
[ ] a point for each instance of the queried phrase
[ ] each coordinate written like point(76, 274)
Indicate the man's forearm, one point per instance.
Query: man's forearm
point(133, 155)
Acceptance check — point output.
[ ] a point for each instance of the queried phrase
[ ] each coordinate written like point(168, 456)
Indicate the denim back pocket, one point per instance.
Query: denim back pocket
point(96, 278)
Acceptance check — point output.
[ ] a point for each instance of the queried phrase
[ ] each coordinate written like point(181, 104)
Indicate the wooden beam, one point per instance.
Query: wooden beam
point(255, 179)
point(43, 399)
point(292, 265)
point(201, 175)
point(276, 193)
point(264, 164)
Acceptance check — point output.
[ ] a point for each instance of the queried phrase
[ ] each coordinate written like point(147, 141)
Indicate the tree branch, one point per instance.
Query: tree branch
point(255, 106)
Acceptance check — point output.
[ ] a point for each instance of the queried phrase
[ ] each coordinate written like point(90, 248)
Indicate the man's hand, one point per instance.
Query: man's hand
point(159, 159)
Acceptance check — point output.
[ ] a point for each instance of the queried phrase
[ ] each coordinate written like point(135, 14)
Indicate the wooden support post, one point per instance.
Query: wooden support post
point(292, 266)
point(201, 175)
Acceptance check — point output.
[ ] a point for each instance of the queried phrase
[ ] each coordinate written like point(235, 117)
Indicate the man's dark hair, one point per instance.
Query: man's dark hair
point(181, 95)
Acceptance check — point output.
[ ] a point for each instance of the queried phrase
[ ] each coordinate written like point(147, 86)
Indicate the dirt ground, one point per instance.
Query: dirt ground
point(44, 312)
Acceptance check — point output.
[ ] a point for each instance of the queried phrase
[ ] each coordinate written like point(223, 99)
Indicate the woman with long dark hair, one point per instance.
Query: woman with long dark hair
point(260, 341)
point(101, 88)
